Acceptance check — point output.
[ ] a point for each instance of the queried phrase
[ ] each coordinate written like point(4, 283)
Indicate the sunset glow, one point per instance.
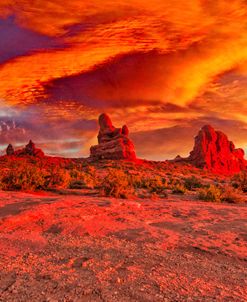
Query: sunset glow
point(165, 68)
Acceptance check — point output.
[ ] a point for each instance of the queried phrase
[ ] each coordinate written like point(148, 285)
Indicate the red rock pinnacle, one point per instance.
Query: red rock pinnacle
point(10, 150)
point(113, 143)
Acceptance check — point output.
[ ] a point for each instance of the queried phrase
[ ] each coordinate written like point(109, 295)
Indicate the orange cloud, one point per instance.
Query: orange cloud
point(197, 42)
point(130, 58)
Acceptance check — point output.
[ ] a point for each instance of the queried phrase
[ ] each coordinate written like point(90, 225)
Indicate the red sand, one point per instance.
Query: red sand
point(77, 248)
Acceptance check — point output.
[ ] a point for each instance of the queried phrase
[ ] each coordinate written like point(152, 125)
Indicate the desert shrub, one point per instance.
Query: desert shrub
point(91, 170)
point(23, 178)
point(178, 188)
point(77, 179)
point(231, 195)
point(173, 181)
point(57, 178)
point(116, 184)
point(155, 184)
point(192, 183)
point(211, 193)
point(220, 194)
point(239, 181)
point(81, 179)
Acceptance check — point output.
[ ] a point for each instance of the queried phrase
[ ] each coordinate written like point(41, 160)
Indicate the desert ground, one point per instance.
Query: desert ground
point(76, 247)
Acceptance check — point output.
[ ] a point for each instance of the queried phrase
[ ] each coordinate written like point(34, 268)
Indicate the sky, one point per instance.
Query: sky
point(164, 68)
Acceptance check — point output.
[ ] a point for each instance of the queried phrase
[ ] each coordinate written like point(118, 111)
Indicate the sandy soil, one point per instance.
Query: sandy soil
point(77, 248)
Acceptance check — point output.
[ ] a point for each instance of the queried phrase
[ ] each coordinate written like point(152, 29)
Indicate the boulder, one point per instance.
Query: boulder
point(113, 143)
point(213, 151)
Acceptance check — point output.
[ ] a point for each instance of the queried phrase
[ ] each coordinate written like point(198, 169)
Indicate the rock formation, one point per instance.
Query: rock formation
point(113, 143)
point(30, 150)
point(178, 158)
point(10, 150)
point(213, 151)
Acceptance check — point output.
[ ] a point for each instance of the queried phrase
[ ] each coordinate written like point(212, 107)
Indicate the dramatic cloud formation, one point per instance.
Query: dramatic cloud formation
point(163, 67)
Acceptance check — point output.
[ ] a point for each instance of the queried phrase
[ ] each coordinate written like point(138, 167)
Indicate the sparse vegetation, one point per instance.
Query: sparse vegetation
point(211, 193)
point(118, 179)
point(153, 184)
point(115, 184)
point(83, 179)
point(179, 188)
point(220, 194)
point(231, 195)
point(23, 178)
point(239, 181)
point(192, 183)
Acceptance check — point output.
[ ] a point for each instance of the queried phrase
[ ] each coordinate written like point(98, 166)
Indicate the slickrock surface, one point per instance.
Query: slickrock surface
point(78, 248)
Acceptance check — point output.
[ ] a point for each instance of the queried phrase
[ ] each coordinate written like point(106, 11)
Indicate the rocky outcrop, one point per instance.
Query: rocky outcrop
point(10, 150)
point(30, 150)
point(178, 158)
point(213, 151)
point(113, 143)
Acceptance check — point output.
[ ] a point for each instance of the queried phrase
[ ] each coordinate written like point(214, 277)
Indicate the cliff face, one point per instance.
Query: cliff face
point(213, 151)
point(113, 143)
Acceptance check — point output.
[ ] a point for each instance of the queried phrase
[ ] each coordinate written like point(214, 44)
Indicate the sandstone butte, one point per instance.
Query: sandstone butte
point(113, 143)
point(213, 151)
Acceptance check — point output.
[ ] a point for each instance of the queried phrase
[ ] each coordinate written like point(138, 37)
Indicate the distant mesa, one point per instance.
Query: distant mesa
point(29, 150)
point(113, 143)
point(213, 151)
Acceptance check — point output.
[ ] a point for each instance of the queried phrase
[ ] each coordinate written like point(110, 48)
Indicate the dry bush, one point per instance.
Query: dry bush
point(178, 188)
point(57, 178)
point(83, 179)
point(192, 183)
point(26, 178)
point(220, 194)
point(116, 184)
point(155, 184)
point(239, 181)
point(231, 195)
point(211, 193)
